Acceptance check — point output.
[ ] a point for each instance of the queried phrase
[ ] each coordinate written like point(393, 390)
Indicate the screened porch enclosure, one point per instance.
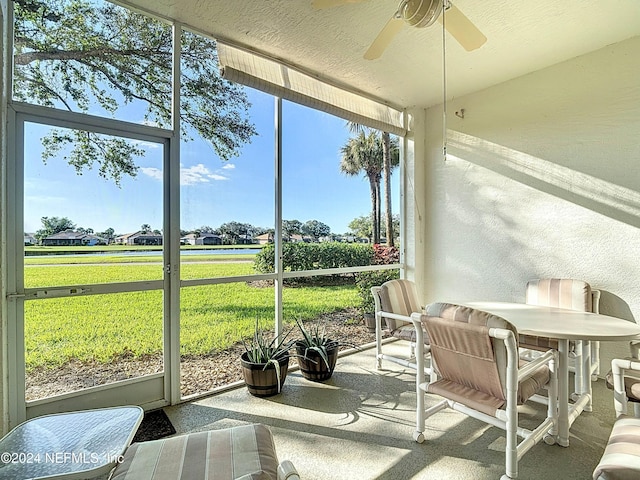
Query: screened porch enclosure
point(539, 179)
point(144, 275)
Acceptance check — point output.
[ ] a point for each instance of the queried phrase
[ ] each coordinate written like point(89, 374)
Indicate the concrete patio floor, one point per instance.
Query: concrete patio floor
point(359, 425)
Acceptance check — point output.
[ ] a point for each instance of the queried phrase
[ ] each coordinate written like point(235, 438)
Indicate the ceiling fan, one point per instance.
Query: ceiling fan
point(419, 14)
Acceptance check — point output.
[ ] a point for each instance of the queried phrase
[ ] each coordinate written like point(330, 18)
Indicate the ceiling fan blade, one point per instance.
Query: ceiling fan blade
point(322, 4)
point(382, 41)
point(462, 29)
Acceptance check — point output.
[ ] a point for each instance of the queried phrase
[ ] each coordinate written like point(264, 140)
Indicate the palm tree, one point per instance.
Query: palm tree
point(387, 166)
point(363, 154)
point(390, 160)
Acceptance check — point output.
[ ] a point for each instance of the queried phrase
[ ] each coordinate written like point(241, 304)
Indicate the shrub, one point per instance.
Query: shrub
point(366, 280)
point(312, 256)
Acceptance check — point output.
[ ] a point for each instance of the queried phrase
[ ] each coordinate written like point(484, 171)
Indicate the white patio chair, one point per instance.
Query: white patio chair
point(572, 295)
point(395, 301)
point(631, 379)
point(476, 369)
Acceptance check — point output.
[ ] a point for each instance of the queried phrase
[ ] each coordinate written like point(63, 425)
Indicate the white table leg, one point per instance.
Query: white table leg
point(563, 393)
point(586, 374)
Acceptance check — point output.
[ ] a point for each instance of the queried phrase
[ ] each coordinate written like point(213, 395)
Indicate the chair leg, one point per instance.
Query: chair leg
point(418, 436)
point(586, 374)
point(595, 360)
point(378, 342)
point(578, 364)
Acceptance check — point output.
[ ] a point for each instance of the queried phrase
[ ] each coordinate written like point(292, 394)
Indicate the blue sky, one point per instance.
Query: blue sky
point(212, 191)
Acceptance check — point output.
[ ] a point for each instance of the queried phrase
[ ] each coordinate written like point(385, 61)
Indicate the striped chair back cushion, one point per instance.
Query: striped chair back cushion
point(400, 297)
point(472, 316)
point(561, 293)
point(464, 358)
point(478, 390)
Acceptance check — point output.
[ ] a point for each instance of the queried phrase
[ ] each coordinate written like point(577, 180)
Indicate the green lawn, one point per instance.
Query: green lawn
point(105, 327)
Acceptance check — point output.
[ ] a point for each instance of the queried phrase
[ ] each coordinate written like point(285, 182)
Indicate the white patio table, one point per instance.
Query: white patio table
point(74, 445)
point(564, 325)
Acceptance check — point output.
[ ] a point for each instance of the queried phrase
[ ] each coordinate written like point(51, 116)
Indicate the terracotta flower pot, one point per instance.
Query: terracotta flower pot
point(261, 381)
point(313, 366)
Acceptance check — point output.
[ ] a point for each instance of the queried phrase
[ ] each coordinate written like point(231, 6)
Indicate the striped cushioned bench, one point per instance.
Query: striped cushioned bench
point(621, 458)
point(240, 453)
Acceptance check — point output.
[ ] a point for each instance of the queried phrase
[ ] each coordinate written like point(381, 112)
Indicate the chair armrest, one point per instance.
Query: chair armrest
point(532, 366)
point(618, 367)
point(394, 316)
point(286, 471)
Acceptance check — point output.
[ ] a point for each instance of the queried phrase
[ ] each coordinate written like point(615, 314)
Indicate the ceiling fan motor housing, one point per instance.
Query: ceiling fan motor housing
point(420, 13)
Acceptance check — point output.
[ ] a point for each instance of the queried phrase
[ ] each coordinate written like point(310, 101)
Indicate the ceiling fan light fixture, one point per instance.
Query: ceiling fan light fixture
point(420, 13)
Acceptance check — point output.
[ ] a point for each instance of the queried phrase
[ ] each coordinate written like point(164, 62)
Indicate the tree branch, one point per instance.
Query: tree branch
point(28, 57)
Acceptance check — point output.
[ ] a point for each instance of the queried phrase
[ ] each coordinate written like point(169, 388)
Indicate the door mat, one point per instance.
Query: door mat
point(155, 425)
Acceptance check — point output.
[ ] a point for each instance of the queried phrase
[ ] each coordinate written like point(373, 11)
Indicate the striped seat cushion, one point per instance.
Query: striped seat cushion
point(240, 453)
point(621, 458)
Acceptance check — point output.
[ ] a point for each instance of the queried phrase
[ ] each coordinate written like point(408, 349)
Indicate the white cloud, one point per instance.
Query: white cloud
point(215, 176)
point(144, 144)
point(229, 166)
point(198, 174)
point(195, 175)
point(152, 172)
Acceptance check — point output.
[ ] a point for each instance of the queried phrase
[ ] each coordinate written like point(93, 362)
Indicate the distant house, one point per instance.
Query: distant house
point(92, 240)
point(66, 238)
point(189, 239)
point(264, 239)
point(139, 238)
point(209, 239)
point(29, 239)
point(123, 239)
point(299, 238)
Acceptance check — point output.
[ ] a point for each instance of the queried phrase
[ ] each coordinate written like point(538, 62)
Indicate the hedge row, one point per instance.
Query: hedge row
point(312, 256)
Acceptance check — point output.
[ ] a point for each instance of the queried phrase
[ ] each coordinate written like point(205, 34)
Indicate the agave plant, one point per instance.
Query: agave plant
point(315, 339)
point(262, 349)
point(268, 351)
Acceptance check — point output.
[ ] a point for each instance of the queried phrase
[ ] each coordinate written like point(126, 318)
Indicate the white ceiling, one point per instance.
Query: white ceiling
point(523, 36)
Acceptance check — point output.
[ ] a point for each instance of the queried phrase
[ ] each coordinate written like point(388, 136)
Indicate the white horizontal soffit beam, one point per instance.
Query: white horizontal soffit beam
point(255, 71)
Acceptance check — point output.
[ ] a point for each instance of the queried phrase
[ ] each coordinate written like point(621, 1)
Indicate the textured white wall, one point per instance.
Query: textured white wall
point(542, 179)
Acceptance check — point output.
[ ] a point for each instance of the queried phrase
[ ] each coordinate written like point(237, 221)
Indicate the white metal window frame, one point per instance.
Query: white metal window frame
point(167, 384)
point(152, 390)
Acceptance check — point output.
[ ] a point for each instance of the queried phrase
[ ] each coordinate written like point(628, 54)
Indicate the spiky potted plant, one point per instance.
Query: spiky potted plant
point(317, 353)
point(265, 363)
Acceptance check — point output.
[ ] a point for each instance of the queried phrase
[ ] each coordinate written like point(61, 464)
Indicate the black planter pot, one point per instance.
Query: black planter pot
point(370, 321)
point(261, 381)
point(313, 366)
